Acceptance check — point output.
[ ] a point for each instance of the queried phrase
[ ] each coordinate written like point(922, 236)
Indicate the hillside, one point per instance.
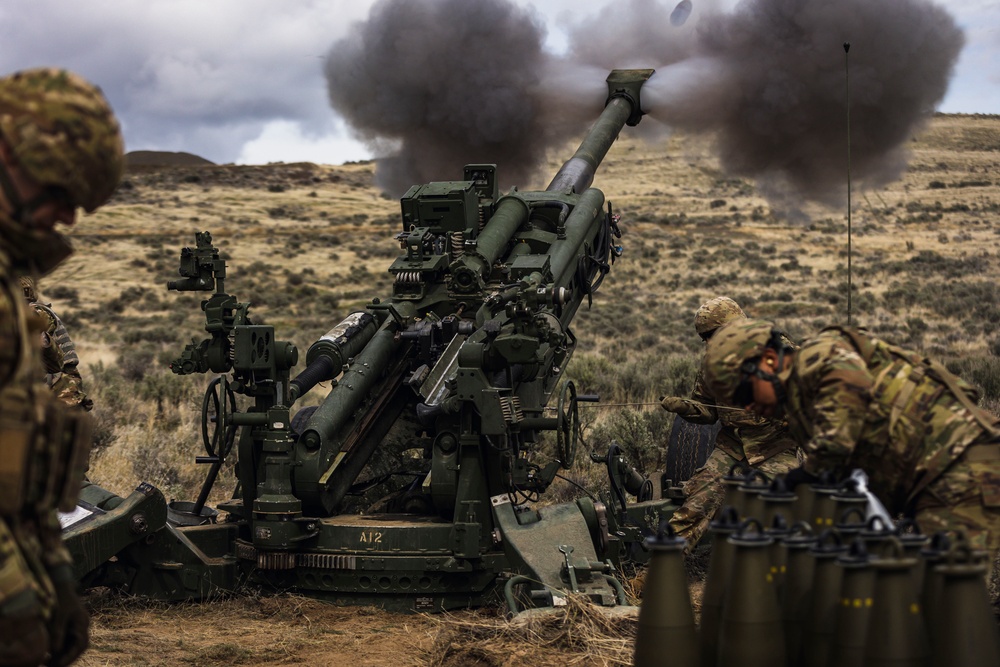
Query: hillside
point(307, 244)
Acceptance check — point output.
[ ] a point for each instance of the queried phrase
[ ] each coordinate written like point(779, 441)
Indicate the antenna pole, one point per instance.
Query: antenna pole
point(847, 80)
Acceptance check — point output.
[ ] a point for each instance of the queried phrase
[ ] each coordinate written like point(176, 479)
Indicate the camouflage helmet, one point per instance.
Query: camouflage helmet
point(63, 133)
point(728, 350)
point(714, 313)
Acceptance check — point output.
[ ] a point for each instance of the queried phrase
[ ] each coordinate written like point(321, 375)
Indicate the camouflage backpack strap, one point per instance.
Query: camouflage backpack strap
point(957, 386)
point(965, 393)
point(862, 341)
point(866, 346)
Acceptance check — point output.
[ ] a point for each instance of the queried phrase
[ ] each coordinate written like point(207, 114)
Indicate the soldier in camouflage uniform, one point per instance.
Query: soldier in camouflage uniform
point(60, 148)
point(855, 401)
point(62, 374)
point(744, 438)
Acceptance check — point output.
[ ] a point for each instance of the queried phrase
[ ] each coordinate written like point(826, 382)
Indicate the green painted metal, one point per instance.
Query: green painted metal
point(458, 363)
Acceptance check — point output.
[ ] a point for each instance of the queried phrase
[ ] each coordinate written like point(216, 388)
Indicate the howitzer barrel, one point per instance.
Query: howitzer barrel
point(319, 450)
point(511, 213)
point(623, 107)
point(327, 356)
point(350, 391)
point(565, 252)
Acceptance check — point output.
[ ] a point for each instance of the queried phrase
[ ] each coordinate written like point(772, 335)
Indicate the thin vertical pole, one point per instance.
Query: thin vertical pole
point(847, 80)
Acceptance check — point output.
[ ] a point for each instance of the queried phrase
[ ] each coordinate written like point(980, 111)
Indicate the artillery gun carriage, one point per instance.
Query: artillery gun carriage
point(459, 364)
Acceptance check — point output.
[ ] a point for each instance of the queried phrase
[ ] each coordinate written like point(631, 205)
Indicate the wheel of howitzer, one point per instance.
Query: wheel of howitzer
point(568, 425)
point(689, 447)
point(217, 429)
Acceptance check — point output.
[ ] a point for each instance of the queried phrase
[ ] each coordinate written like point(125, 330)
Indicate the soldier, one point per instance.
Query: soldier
point(744, 438)
point(855, 401)
point(62, 374)
point(60, 148)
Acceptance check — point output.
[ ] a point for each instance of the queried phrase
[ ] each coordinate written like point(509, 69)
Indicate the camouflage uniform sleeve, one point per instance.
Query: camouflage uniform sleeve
point(61, 367)
point(52, 357)
point(835, 390)
point(703, 404)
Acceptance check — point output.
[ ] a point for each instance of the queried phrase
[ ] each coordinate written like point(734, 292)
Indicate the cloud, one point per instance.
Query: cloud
point(768, 79)
point(204, 77)
point(209, 77)
point(330, 147)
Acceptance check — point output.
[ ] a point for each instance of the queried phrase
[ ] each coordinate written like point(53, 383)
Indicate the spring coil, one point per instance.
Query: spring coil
point(457, 245)
point(510, 408)
point(408, 278)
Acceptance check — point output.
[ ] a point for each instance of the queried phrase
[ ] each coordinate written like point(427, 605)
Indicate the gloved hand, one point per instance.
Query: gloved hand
point(24, 639)
point(70, 622)
point(677, 405)
point(797, 476)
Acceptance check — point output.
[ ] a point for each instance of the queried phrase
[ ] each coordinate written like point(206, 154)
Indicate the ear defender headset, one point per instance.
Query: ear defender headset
point(751, 368)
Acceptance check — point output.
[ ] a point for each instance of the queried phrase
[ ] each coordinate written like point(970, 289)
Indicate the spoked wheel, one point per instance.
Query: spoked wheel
point(567, 424)
point(218, 432)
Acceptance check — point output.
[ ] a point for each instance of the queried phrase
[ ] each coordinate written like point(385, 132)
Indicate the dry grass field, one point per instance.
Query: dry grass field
point(307, 244)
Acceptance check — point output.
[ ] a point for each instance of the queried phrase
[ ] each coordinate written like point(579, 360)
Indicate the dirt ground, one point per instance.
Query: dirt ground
point(944, 209)
point(278, 630)
point(291, 630)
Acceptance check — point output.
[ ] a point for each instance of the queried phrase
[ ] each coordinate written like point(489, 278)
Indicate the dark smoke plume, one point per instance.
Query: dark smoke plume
point(769, 80)
point(448, 83)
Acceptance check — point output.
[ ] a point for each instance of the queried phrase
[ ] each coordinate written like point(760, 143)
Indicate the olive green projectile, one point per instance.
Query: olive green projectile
point(895, 635)
point(720, 568)
point(666, 620)
point(817, 636)
point(797, 592)
point(751, 634)
point(854, 608)
point(968, 636)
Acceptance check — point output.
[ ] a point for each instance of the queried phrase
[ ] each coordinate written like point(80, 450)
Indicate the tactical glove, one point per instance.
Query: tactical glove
point(70, 622)
point(678, 405)
point(797, 476)
point(24, 640)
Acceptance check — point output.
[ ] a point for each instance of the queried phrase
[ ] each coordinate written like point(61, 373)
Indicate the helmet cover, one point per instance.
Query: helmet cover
point(63, 133)
point(715, 312)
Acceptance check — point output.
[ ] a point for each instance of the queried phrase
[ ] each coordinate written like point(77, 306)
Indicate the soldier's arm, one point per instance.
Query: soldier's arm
point(61, 362)
point(841, 388)
point(705, 404)
point(698, 409)
point(52, 358)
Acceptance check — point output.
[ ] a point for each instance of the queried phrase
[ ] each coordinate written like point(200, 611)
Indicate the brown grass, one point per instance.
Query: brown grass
point(307, 244)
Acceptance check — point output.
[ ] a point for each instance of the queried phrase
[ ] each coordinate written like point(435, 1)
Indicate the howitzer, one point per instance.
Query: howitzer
point(412, 484)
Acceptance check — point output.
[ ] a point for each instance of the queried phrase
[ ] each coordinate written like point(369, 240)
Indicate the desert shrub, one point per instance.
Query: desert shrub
point(981, 370)
point(995, 346)
point(107, 387)
point(104, 430)
point(154, 334)
point(642, 435)
point(134, 364)
point(592, 373)
point(146, 429)
point(63, 293)
point(164, 387)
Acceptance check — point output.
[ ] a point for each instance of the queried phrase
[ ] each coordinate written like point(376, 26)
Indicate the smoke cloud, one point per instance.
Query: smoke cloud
point(771, 81)
point(446, 83)
point(450, 82)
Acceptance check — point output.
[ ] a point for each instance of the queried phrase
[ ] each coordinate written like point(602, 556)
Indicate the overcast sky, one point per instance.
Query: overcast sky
point(242, 80)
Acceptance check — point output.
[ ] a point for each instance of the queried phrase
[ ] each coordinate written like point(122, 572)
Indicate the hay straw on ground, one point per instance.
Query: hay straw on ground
point(581, 633)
